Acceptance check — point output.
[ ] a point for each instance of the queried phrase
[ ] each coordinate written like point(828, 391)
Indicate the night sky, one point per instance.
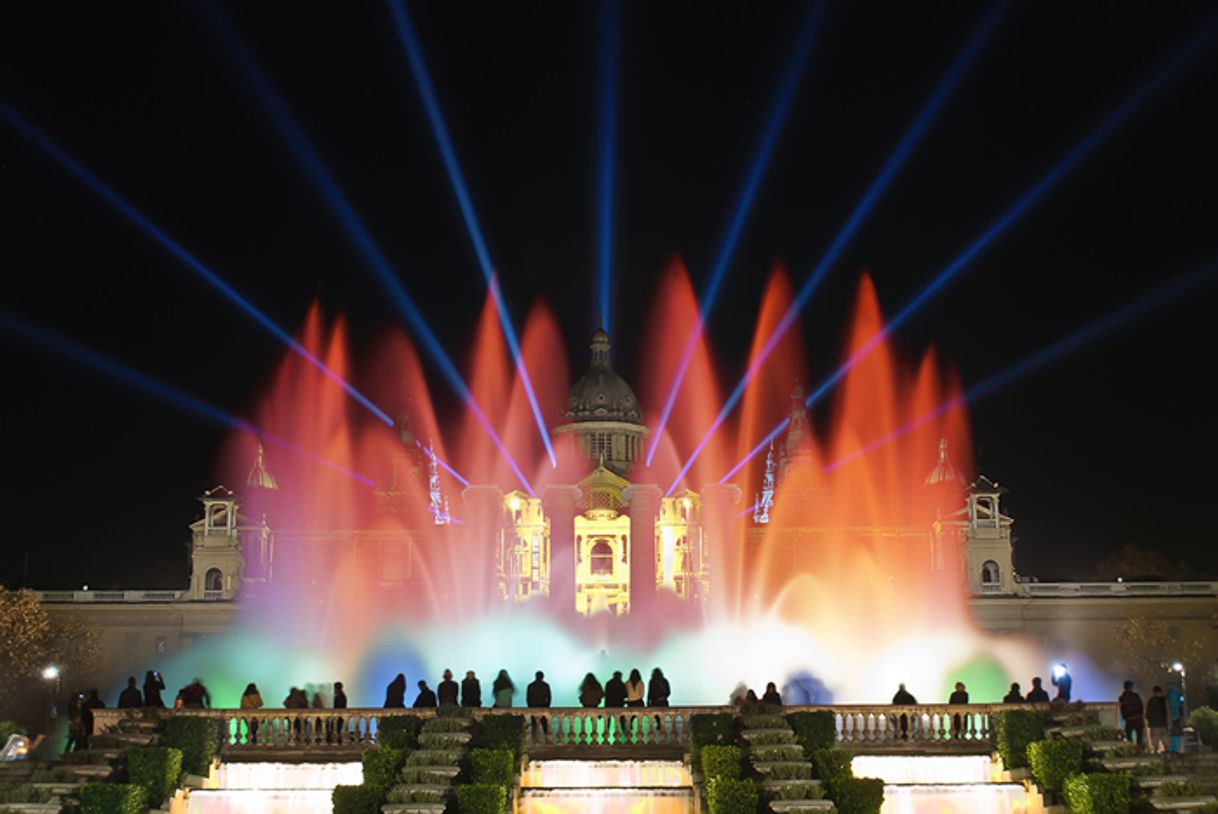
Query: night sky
point(1112, 445)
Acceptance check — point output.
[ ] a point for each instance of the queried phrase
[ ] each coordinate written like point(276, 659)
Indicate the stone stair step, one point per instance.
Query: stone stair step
point(1181, 803)
point(1121, 764)
point(53, 807)
point(90, 770)
point(1153, 782)
point(414, 808)
point(783, 806)
point(767, 768)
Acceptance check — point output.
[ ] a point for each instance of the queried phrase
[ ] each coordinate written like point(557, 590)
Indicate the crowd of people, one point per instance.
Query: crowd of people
point(616, 692)
point(1156, 725)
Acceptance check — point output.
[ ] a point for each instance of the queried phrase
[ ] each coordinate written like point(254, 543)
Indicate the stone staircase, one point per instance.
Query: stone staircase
point(426, 781)
point(775, 755)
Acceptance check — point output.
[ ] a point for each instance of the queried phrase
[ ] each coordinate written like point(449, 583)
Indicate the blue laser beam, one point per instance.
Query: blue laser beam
point(926, 116)
point(739, 215)
point(1055, 352)
point(1012, 214)
point(308, 158)
point(111, 369)
point(435, 116)
point(46, 145)
point(607, 132)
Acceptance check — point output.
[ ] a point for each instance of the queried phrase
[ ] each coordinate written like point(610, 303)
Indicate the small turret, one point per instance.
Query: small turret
point(259, 477)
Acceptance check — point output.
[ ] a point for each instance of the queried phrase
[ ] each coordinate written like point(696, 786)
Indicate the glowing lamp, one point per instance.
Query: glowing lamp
point(50, 673)
point(1177, 667)
point(1059, 670)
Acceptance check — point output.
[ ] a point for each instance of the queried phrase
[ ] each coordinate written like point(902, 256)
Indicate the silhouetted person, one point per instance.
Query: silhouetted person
point(615, 690)
point(447, 690)
point(503, 689)
point(76, 723)
point(1014, 696)
point(771, 695)
point(130, 698)
point(86, 714)
point(1158, 720)
point(395, 693)
point(903, 697)
point(153, 684)
point(426, 697)
point(337, 728)
point(195, 696)
point(750, 698)
point(1132, 712)
point(1062, 680)
point(296, 699)
point(537, 696)
point(1037, 694)
point(738, 694)
point(960, 696)
point(471, 690)
point(636, 690)
point(658, 689)
point(252, 699)
point(590, 692)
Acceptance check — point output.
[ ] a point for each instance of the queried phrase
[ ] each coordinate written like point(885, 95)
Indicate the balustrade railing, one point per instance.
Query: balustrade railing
point(859, 726)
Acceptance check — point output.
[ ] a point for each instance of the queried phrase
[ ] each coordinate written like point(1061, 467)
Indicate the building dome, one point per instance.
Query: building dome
point(601, 394)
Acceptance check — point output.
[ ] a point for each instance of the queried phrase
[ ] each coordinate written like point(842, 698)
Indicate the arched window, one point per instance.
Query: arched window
point(990, 575)
point(600, 559)
point(213, 580)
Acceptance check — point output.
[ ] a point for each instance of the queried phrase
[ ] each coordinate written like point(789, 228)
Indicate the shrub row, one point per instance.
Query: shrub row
point(1097, 793)
point(113, 798)
point(398, 732)
point(358, 799)
point(198, 739)
point(712, 729)
point(492, 767)
point(156, 769)
point(501, 732)
point(726, 795)
point(1052, 761)
point(381, 766)
point(722, 762)
point(814, 730)
point(480, 798)
point(1013, 731)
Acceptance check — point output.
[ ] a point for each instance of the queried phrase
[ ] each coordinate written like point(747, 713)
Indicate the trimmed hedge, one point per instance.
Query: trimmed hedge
point(722, 762)
point(814, 730)
point(1205, 721)
point(480, 798)
point(156, 768)
point(858, 795)
point(1052, 761)
point(381, 766)
point(492, 767)
point(727, 796)
point(1098, 793)
point(113, 798)
point(717, 729)
point(502, 732)
point(398, 732)
point(1013, 731)
point(832, 765)
point(198, 739)
point(357, 799)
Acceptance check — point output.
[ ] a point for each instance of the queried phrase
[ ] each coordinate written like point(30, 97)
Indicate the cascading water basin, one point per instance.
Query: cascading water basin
point(945, 784)
point(273, 788)
point(606, 787)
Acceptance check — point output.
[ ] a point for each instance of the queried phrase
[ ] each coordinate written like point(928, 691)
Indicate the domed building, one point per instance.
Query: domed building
point(606, 422)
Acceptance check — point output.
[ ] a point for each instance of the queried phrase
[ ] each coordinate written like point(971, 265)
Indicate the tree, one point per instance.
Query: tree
point(30, 641)
point(1134, 563)
point(1149, 648)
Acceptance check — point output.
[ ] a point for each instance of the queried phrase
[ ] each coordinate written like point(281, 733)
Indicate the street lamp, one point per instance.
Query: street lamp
point(50, 673)
point(1178, 667)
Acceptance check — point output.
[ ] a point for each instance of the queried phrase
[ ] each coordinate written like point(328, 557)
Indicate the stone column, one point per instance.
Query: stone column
point(644, 502)
point(559, 502)
point(723, 544)
point(476, 575)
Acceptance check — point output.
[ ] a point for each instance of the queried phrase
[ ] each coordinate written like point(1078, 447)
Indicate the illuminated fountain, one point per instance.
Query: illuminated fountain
point(425, 546)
